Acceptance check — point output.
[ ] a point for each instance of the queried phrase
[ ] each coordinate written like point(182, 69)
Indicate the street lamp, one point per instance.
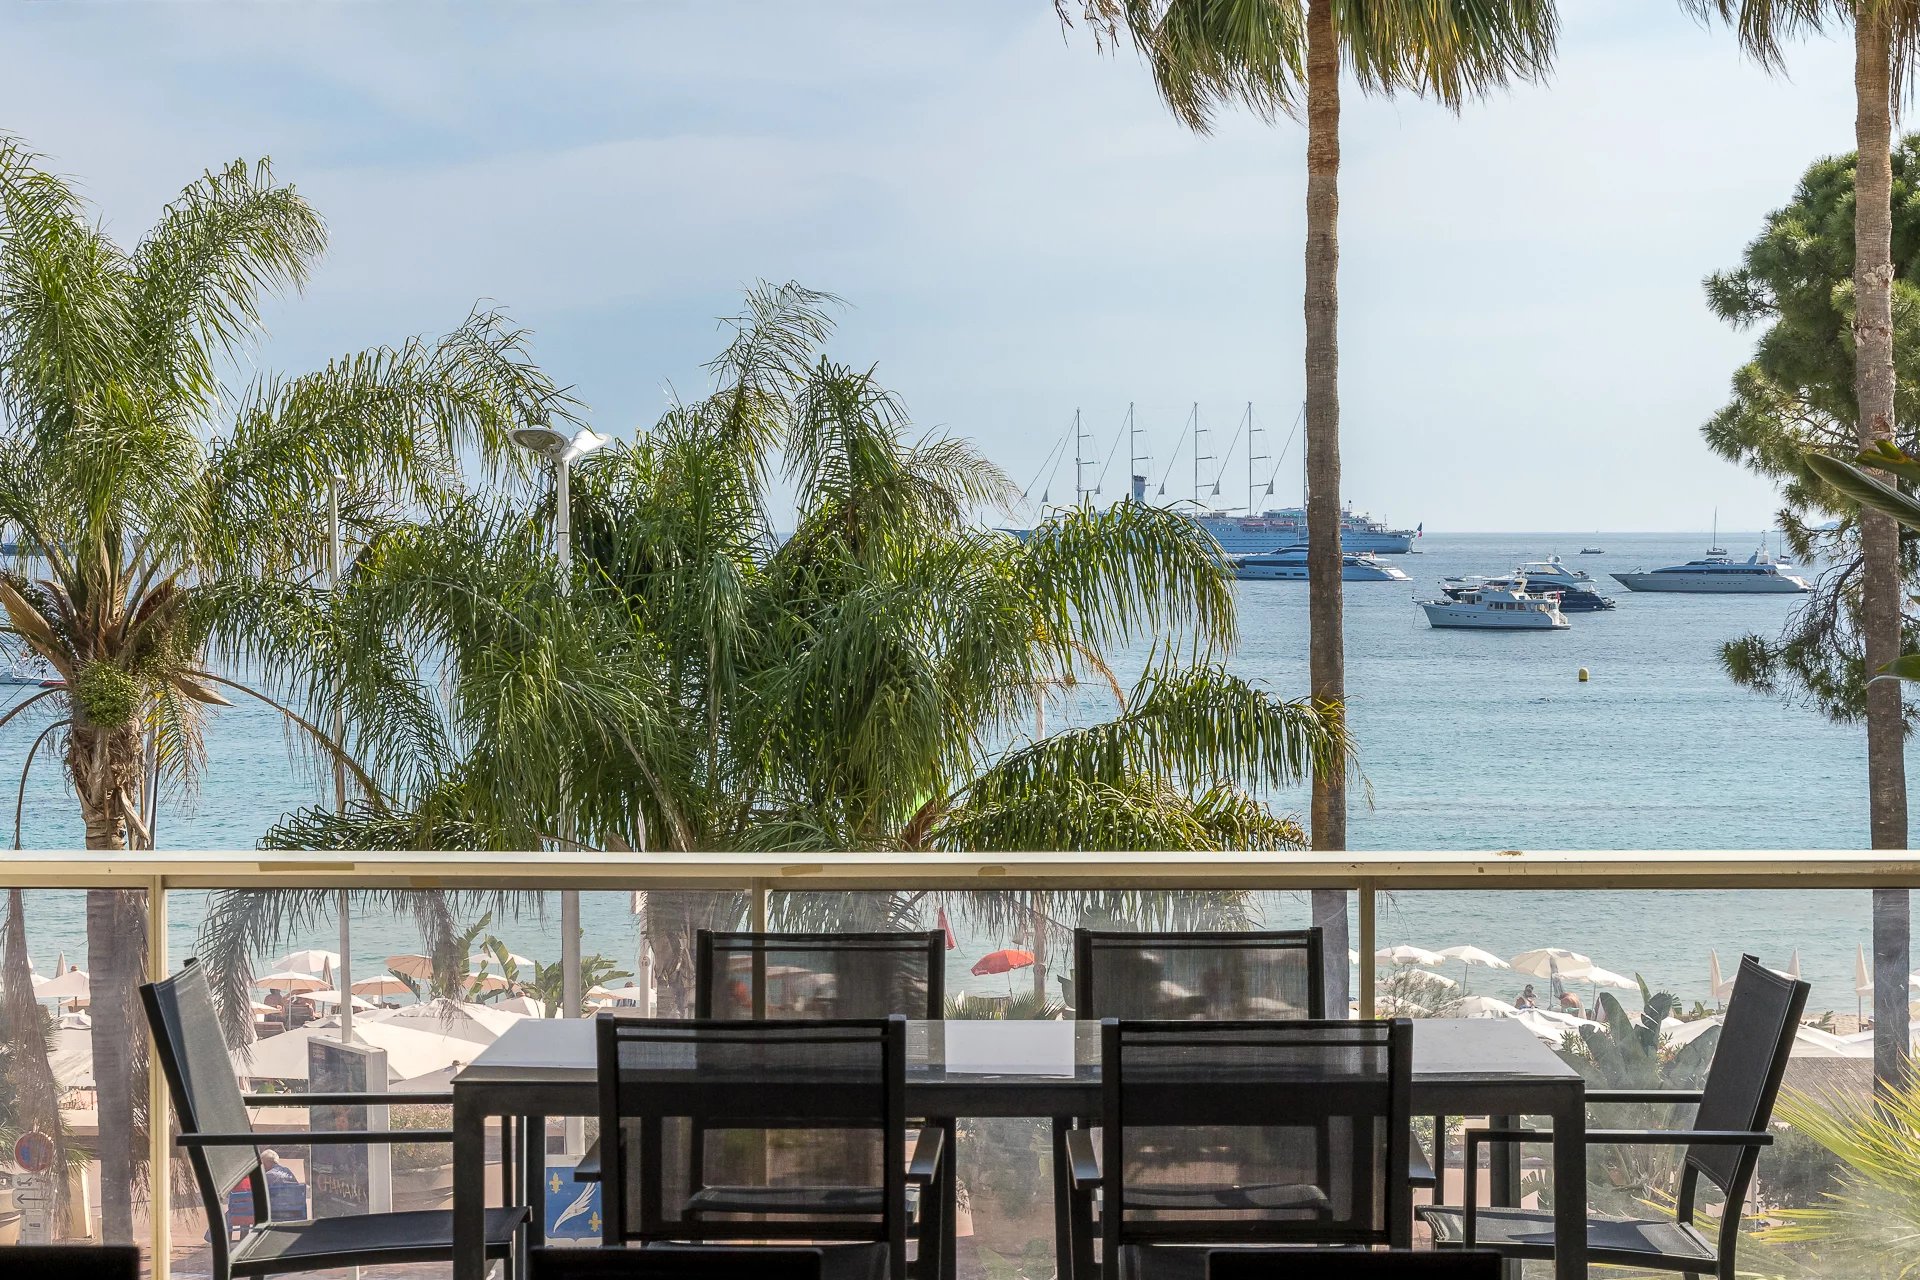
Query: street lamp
point(563, 452)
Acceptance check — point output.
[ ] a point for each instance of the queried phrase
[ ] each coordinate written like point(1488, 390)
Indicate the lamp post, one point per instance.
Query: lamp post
point(563, 452)
point(343, 976)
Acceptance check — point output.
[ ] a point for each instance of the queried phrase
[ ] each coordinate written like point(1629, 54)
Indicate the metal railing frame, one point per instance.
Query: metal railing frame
point(757, 874)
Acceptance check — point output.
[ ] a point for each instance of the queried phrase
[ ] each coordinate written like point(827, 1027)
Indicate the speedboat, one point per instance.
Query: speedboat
point(1593, 551)
point(1719, 573)
point(1289, 564)
point(1498, 607)
point(33, 672)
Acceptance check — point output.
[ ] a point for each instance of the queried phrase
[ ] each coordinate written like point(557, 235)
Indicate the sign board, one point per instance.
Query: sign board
point(347, 1180)
point(572, 1208)
point(33, 1197)
point(33, 1152)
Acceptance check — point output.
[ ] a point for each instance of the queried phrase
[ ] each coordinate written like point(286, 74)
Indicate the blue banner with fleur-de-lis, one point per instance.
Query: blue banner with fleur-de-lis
point(573, 1208)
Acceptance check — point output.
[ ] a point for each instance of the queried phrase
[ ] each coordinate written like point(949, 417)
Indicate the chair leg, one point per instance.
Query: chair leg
point(1066, 1248)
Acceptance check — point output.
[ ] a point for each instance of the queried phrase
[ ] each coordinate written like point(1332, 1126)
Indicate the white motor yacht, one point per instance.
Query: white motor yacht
point(1289, 564)
point(1719, 573)
point(1502, 606)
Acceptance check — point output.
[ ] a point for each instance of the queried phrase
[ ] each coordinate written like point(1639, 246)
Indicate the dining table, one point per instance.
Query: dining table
point(987, 1068)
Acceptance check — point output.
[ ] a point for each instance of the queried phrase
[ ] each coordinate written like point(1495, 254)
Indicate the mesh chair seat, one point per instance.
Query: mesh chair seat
point(837, 1261)
point(1657, 1242)
point(372, 1239)
point(821, 1201)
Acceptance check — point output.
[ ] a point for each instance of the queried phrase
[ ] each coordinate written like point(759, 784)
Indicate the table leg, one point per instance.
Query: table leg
point(533, 1138)
point(1503, 1175)
point(947, 1200)
point(1570, 1185)
point(1062, 1202)
point(469, 1187)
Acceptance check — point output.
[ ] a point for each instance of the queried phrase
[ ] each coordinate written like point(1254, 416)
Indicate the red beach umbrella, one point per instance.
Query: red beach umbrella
point(1002, 962)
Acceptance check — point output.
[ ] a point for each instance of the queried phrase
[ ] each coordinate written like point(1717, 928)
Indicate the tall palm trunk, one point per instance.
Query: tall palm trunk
point(1327, 654)
point(24, 1029)
point(104, 762)
point(1879, 537)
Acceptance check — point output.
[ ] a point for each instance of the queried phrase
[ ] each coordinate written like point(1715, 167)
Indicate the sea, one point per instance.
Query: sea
point(1467, 741)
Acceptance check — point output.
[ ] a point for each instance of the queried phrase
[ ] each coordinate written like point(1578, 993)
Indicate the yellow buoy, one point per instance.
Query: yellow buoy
point(1583, 675)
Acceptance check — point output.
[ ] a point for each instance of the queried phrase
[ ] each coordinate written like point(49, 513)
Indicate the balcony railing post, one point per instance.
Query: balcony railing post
point(1368, 965)
point(757, 892)
point(159, 1108)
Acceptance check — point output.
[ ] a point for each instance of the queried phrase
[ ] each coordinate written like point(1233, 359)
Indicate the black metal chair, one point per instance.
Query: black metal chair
point(1349, 1264)
point(70, 1262)
point(1273, 974)
point(676, 1262)
point(224, 1152)
point(1248, 1132)
point(819, 975)
point(1730, 1127)
point(788, 1132)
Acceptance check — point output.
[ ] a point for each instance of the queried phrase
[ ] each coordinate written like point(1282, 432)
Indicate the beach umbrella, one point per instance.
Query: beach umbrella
point(1793, 965)
point(1397, 1007)
point(1408, 954)
point(384, 985)
point(482, 960)
point(257, 1007)
point(462, 1019)
point(312, 960)
point(1483, 1007)
point(1599, 977)
point(292, 982)
point(487, 982)
point(412, 966)
point(1539, 962)
point(1468, 955)
point(331, 996)
point(1005, 961)
point(524, 1005)
point(71, 984)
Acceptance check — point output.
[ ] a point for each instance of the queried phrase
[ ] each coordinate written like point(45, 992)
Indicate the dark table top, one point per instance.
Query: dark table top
point(1007, 1055)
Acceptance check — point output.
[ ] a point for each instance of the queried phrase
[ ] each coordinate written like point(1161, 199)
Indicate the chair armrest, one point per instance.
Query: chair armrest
point(924, 1167)
point(1643, 1095)
point(345, 1099)
point(320, 1138)
point(588, 1170)
point(1682, 1137)
point(1083, 1165)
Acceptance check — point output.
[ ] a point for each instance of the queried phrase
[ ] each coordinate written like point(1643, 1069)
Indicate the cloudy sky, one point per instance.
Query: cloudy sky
point(1019, 228)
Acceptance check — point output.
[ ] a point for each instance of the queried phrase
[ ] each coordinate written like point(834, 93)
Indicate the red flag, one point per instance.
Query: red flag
point(947, 929)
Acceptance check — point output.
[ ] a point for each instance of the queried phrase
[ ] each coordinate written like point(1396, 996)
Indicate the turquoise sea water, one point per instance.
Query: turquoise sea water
point(1468, 741)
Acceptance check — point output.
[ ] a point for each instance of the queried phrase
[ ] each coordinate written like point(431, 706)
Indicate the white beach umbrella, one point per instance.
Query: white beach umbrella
point(1395, 1007)
point(526, 1006)
point(258, 1007)
point(1599, 977)
point(1474, 955)
point(1440, 980)
point(463, 1019)
point(481, 960)
point(1408, 954)
point(1862, 976)
point(288, 981)
point(487, 982)
point(597, 992)
point(311, 960)
point(1549, 1026)
point(1540, 962)
point(383, 985)
point(1688, 1032)
point(331, 997)
point(1483, 1007)
point(70, 1057)
point(73, 984)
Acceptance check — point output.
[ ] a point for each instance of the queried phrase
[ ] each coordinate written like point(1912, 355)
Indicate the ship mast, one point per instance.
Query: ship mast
point(1198, 457)
point(1138, 484)
point(1080, 461)
point(1253, 456)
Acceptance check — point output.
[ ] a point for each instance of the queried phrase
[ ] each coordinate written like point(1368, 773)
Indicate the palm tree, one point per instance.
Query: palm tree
point(865, 682)
point(1886, 38)
point(163, 554)
point(1286, 57)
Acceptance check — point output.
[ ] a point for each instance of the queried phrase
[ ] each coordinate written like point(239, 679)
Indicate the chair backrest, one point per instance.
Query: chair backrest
point(754, 1107)
point(200, 1079)
point(1278, 1132)
point(1756, 1037)
point(1247, 975)
point(70, 1262)
point(820, 975)
point(1352, 1264)
point(685, 1262)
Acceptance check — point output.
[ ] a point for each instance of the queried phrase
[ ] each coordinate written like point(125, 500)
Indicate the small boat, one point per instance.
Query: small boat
point(1501, 607)
point(34, 673)
point(1289, 564)
point(1593, 551)
point(1718, 573)
point(1579, 598)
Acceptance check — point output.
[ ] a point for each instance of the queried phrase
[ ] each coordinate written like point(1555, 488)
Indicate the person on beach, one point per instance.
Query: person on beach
point(1526, 999)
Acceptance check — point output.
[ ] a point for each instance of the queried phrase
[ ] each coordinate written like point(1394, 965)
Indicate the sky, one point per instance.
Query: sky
point(1018, 227)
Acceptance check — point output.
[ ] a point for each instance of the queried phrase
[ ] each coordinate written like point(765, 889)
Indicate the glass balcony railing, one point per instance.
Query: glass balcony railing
point(1428, 935)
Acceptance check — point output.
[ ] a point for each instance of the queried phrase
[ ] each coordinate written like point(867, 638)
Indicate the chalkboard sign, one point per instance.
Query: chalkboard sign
point(347, 1180)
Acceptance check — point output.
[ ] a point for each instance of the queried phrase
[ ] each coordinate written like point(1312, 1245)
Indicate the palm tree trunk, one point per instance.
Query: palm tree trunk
point(24, 1029)
point(104, 763)
point(1327, 655)
point(1879, 537)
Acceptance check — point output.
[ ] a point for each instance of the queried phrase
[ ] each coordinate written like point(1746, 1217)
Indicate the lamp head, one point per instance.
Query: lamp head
point(544, 441)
